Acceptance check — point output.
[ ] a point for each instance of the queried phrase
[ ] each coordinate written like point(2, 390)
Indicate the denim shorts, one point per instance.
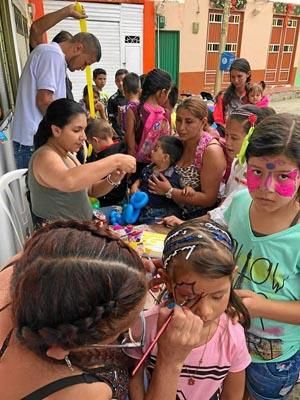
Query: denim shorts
point(273, 380)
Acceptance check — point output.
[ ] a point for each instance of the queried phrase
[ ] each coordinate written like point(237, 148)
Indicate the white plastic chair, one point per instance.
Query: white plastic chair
point(14, 203)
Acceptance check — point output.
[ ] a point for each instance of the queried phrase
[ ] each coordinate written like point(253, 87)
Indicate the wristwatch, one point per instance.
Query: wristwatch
point(169, 193)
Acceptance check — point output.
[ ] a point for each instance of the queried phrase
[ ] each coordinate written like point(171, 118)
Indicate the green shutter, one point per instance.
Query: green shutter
point(167, 52)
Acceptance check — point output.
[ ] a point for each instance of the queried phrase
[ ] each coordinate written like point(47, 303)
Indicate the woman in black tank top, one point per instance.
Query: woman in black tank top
point(67, 293)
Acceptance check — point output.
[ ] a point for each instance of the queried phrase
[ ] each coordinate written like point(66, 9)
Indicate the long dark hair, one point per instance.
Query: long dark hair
point(73, 286)
point(242, 65)
point(59, 113)
point(157, 79)
point(211, 254)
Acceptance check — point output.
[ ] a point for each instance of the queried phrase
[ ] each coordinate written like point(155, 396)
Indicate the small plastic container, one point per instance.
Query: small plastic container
point(100, 218)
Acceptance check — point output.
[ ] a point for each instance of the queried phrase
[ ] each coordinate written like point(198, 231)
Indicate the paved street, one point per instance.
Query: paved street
point(291, 106)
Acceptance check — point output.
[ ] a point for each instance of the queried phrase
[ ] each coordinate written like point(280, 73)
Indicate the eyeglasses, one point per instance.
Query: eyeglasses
point(127, 339)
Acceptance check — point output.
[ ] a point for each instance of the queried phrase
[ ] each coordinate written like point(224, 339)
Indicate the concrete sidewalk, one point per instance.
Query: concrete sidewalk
point(285, 92)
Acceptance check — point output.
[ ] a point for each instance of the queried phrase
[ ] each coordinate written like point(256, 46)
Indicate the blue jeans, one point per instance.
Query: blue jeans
point(273, 380)
point(22, 154)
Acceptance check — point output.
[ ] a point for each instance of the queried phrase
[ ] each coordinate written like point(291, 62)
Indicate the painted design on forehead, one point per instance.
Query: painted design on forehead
point(271, 166)
point(188, 290)
point(276, 162)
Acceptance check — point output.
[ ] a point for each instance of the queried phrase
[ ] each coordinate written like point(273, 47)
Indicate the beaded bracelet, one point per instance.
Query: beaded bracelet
point(115, 184)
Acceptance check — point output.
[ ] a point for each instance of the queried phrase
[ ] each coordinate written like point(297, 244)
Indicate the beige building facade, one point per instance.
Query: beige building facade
point(267, 36)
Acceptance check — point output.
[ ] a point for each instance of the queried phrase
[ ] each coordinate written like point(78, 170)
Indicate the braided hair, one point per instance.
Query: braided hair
point(73, 286)
point(209, 251)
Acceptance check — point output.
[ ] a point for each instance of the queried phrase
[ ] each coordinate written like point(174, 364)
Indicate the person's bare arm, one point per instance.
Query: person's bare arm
point(100, 107)
point(104, 186)
point(44, 97)
point(46, 22)
point(136, 385)
point(277, 310)
point(135, 187)
point(130, 131)
point(234, 386)
point(80, 177)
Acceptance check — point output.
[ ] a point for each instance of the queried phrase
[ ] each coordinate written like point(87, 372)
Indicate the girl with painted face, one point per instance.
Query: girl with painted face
point(237, 127)
point(198, 268)
point(264, 220)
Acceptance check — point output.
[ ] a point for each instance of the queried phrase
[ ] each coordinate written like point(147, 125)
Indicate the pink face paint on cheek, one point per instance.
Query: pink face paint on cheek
point(287, 188)
point(253, 181)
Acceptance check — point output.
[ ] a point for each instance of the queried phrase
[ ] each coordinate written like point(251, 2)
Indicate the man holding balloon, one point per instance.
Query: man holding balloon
point(42, 81)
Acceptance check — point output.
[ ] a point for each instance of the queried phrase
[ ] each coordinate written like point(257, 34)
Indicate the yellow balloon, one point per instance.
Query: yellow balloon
point(83, 28)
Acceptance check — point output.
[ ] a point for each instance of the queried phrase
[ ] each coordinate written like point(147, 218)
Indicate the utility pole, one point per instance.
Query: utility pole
point(223, 38)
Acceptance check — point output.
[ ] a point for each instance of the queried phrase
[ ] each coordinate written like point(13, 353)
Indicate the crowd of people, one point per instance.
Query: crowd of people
point(227, 181)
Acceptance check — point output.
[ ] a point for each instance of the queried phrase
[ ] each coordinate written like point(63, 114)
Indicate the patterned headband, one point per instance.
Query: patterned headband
point(217, 234)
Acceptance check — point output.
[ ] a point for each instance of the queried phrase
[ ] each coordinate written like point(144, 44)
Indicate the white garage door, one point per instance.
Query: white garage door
point(115, 25)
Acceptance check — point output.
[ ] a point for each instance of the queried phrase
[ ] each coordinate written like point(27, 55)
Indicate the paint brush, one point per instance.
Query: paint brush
point(155, 340)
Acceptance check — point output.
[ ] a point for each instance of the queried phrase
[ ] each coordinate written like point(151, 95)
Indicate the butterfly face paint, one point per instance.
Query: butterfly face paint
point(285, 184)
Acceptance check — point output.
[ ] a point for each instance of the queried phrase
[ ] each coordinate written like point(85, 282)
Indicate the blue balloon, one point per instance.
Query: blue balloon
point(131, 211)
point(137, 201)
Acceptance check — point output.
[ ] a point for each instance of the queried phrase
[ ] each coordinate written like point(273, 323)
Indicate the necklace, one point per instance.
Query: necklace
point(191, 381)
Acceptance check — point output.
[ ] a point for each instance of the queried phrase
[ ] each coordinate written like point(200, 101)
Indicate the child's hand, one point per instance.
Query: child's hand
point(135, 187)
point(99, 106)
point(188, 191)
point(158, 185)
point(171, 221)
point(120, 112)
point(252, 301)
